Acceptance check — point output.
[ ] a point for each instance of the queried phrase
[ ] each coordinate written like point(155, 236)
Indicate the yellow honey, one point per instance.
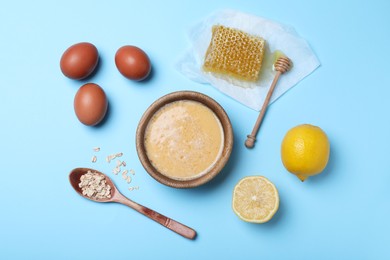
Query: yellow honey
point(234, 53)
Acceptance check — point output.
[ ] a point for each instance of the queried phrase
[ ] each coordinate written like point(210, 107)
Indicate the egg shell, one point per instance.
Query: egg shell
point(133, 63)
point(79, 60)
point(90, 104)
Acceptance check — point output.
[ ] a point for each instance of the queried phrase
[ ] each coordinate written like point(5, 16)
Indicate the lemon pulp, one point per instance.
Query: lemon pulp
point(255, 199)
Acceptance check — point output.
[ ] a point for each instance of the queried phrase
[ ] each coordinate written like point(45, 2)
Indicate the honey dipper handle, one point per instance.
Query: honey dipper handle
point(251, 138)
point(171, 224)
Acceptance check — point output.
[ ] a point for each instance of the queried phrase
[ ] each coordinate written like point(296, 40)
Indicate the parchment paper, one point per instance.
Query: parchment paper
point(278, 37)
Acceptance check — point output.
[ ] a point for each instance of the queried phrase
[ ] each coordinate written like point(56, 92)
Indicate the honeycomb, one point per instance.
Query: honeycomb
point(234, 53)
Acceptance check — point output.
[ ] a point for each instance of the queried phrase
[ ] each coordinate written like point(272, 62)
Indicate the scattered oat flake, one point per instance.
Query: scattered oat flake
point(116, 170)
point(133, 188)
point(113, 156)
point(109, 158)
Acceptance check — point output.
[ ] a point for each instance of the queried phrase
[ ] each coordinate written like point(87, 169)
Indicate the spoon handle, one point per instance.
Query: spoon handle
point(171, 224)
point(282, 65)
point(251, 138)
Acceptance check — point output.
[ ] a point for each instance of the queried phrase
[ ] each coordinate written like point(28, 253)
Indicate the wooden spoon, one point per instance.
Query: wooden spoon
point(116, 196)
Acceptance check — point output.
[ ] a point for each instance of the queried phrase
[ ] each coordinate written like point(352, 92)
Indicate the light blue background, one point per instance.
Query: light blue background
point(341, 214)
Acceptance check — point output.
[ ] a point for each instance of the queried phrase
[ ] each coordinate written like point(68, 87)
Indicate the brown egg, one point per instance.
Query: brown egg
point(90, 104)
point(132, 62)
point(79, 60)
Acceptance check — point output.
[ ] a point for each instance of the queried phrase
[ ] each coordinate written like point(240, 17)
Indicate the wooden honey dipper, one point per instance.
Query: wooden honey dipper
point(282, 65)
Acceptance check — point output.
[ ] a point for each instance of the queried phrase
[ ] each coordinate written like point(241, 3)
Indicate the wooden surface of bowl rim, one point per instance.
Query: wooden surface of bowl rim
point(192, 96)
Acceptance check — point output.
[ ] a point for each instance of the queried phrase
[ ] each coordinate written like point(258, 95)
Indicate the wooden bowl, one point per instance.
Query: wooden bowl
point(216, 167)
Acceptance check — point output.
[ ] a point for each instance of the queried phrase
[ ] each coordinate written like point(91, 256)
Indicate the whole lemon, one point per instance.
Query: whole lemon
point(305, 151)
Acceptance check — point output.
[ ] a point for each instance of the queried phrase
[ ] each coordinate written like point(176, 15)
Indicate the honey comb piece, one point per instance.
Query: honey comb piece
point(234, 53)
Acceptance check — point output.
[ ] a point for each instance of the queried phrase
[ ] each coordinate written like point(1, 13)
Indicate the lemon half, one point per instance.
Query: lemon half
point(255, 199)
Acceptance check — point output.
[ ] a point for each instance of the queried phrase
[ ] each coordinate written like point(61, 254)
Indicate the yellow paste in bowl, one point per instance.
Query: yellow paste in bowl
point(184, 139)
